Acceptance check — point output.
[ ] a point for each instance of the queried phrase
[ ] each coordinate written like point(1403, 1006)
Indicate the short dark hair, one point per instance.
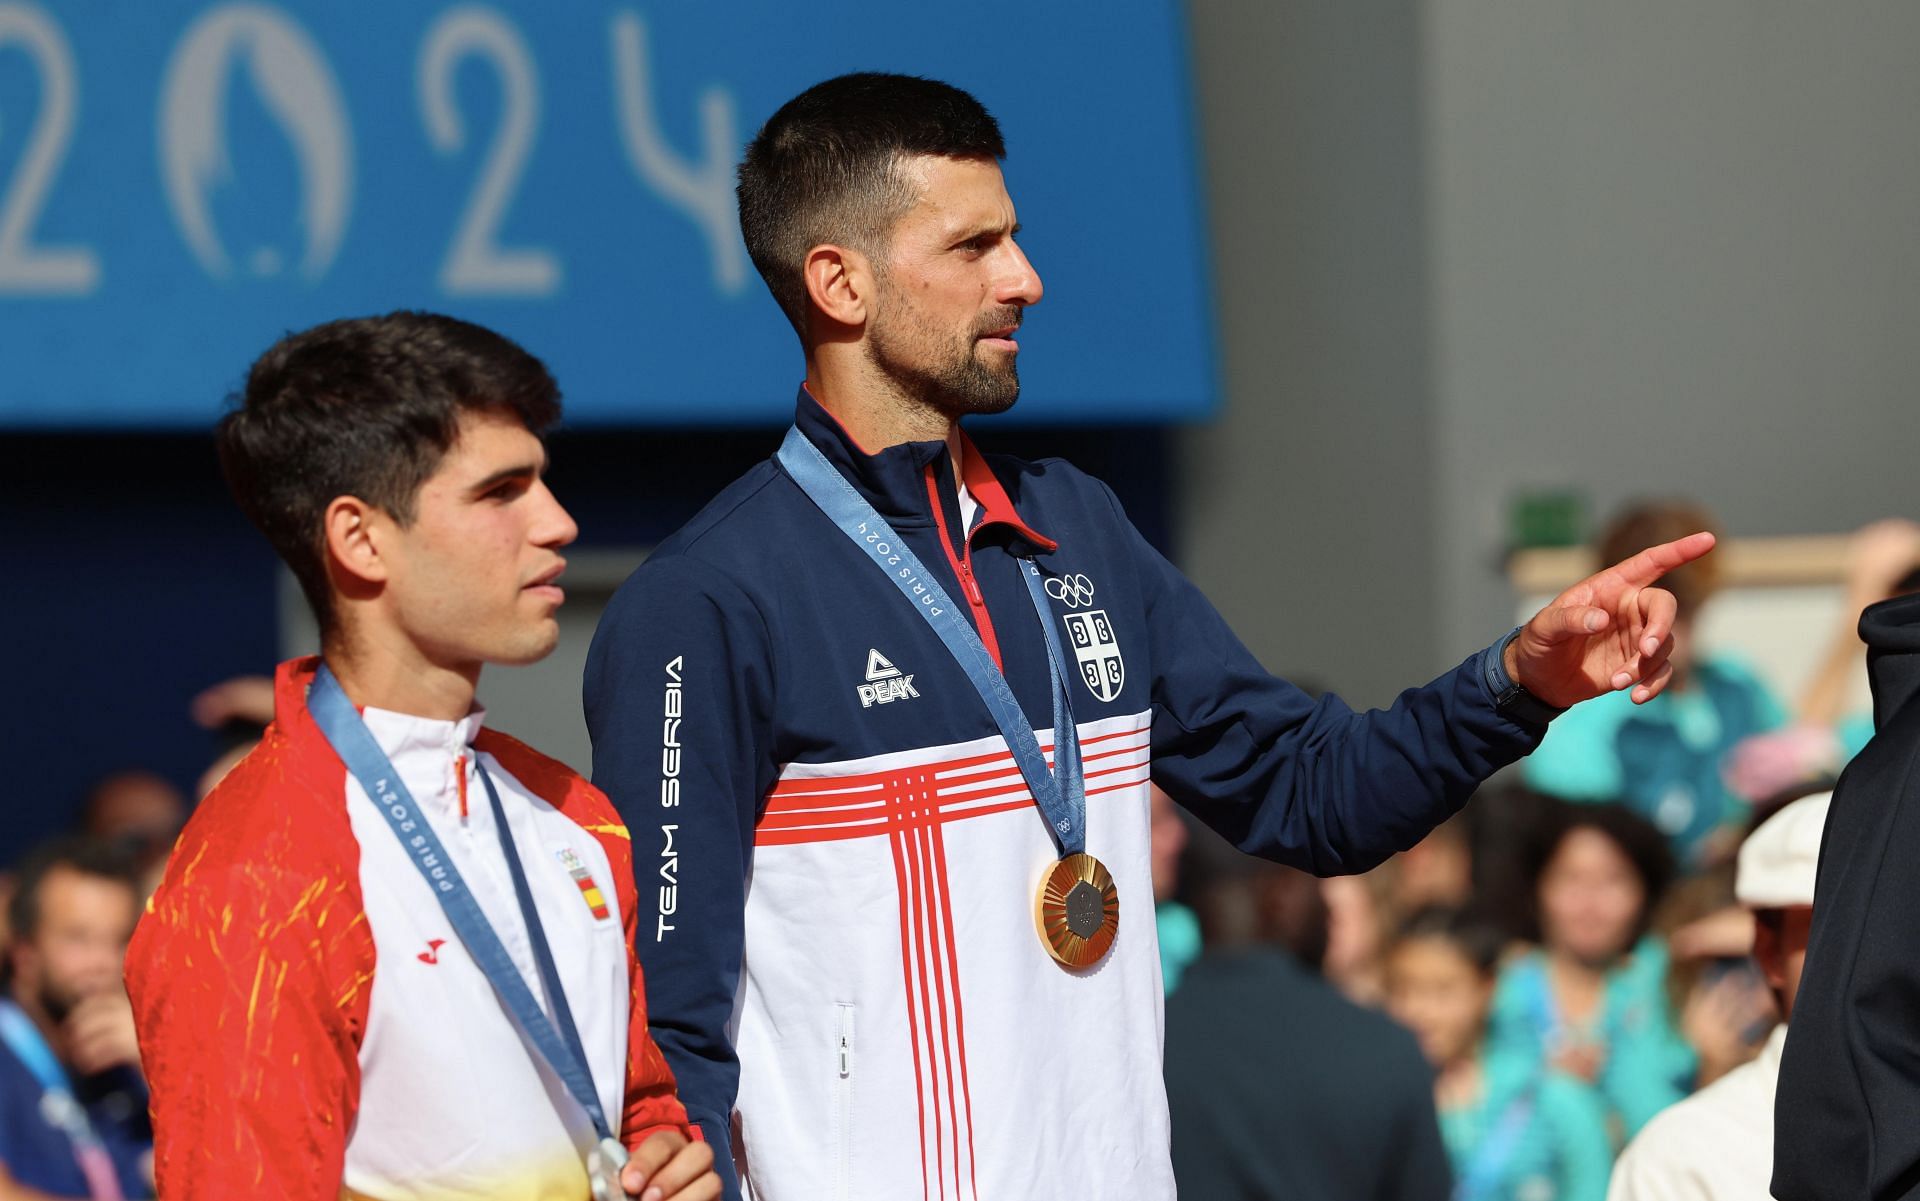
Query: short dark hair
point(1638, 839)
point(88, 856)
point(1650, 523)
point(824, 169)
point(1477, 938)
point(365, 407)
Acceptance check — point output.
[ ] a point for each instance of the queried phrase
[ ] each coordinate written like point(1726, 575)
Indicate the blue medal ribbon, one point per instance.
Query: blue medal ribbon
point(1061, 793)
point(556, 1038)
point(58, 1105)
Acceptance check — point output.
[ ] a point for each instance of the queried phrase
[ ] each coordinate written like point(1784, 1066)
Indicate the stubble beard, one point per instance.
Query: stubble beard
point(931, 367)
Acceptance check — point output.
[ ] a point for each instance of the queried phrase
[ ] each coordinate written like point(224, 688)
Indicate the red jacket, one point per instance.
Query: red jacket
point(254, 968)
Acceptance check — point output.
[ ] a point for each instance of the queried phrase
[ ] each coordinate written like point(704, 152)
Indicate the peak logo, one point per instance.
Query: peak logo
point(885, 682)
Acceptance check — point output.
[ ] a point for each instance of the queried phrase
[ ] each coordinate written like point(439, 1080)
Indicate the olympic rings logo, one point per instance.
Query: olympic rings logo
point(1071, 590)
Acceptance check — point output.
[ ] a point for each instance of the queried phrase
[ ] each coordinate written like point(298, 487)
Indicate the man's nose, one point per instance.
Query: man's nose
point(556, 526)
point(1021, 285)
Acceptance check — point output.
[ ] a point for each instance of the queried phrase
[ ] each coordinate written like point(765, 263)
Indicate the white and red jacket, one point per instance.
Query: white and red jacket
point(311, 1025)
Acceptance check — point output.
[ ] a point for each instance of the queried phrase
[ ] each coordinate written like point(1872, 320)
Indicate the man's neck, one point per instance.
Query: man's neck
point(876, 411)
point(399, 678)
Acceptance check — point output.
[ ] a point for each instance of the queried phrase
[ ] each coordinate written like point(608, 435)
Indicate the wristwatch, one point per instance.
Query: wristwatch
point(1510, 699)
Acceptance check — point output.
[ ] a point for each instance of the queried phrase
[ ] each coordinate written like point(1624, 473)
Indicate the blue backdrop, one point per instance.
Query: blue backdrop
point(183, 181)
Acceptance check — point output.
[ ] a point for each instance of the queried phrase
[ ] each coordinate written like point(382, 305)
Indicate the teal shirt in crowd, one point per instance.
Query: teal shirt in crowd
point(1647, 1066)
point(1179, 932)
point(1531, 1135)
point(1663, 759)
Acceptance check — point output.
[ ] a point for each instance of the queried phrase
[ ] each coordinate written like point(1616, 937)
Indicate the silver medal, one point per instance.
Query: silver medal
point(603, 1170)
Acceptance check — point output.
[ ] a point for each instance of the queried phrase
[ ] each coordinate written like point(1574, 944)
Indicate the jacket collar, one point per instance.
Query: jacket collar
point(290, 683)
point(894, 480)
point(396, 732)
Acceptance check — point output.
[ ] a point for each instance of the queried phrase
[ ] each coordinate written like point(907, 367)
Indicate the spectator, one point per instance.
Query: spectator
point(1515, 1130)
point(239, 711)
point(1358, 921)
point(1508, 824)
point(137, 809)
point(1437, 871)
point(1717, 1145)
point(73, 1105)
point(1665, 759)
point(1883, 561)
point(1590, 999)
point(1277, 1085)
point(1725, 1009)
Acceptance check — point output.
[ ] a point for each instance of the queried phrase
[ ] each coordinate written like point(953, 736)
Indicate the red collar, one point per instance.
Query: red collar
point(985, 487)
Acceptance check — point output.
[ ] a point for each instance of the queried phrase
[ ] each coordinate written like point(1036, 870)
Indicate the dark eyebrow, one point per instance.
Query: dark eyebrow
point(981, 231)
point(527, 471)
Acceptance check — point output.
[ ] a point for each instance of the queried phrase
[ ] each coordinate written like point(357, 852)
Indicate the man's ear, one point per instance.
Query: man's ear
point(354, 533)
point(840, 283)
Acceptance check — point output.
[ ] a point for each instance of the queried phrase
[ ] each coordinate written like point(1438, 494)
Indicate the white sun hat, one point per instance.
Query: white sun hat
point(1778, 860)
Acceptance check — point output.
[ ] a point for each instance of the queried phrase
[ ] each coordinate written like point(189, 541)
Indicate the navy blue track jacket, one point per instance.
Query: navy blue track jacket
point(837, 859)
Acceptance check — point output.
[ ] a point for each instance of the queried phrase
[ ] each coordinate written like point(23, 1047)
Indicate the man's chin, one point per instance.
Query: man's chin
point(532, 646)
point(984, 406)
point(1000, 396)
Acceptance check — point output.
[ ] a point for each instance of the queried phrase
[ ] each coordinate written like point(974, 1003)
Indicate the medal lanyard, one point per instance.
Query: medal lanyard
point(556, 1038)
point(1060, 793)
point(23, 1039)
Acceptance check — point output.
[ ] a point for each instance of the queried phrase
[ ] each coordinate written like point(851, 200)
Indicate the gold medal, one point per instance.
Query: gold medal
point(1077, 911)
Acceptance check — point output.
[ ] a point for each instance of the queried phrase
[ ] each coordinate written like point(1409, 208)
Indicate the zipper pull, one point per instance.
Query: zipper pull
point(846, 1055)
point(460, 782)
point(967, 581)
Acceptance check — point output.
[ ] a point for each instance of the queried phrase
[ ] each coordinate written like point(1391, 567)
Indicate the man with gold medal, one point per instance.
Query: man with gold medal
point(888, 707)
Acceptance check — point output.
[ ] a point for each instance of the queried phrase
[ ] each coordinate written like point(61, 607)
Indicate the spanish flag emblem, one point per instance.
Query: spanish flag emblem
point(588, 889)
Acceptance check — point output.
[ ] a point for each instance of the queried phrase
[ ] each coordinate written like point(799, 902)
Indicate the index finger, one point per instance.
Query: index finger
point(1656, 561)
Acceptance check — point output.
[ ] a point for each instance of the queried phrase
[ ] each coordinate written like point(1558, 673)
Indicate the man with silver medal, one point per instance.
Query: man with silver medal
point(836, 729)
point(439, 913)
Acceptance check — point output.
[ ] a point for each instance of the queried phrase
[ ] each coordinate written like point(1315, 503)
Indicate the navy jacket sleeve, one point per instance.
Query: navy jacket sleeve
point(679, 703)
point(1308, 783)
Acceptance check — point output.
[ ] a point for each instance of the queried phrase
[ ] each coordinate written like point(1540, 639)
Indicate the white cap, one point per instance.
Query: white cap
point(1778, 860)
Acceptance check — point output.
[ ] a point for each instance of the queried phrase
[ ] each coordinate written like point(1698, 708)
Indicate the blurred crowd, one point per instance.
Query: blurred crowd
point(73, 1100)
point(1574, 990)
point(1496, 1014)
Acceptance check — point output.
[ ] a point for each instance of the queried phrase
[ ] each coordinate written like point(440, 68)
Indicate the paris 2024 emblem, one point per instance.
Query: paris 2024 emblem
point(1091, 634)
